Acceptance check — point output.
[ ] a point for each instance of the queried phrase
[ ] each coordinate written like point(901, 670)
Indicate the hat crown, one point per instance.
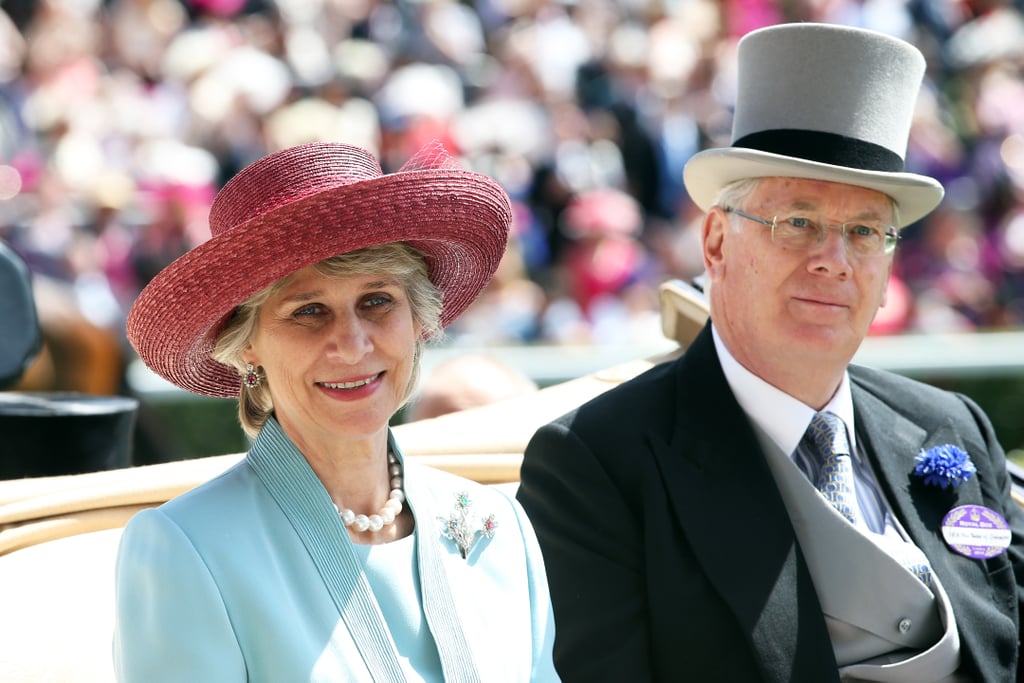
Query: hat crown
point(856, 88)
point(288, 176)
point(822, 102)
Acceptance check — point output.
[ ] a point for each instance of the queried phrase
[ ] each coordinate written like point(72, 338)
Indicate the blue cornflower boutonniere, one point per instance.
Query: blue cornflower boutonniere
point(946, 465)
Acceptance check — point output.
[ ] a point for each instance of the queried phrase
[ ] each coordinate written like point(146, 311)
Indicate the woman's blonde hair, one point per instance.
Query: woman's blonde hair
point(397, 258)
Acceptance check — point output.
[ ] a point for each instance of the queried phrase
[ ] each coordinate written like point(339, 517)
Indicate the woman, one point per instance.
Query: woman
point(324, 555)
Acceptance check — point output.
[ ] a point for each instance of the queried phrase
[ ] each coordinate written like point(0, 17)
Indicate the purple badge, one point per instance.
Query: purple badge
point(976, 531)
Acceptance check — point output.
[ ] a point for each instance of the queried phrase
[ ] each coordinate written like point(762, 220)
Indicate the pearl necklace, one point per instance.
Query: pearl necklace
point(388, 513)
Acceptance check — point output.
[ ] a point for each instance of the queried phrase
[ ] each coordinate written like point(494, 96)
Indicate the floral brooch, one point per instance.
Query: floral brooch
point(946, 465)
point(464, 527)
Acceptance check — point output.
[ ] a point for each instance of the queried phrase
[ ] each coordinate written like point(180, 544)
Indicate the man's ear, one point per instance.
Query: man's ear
point(713, 231)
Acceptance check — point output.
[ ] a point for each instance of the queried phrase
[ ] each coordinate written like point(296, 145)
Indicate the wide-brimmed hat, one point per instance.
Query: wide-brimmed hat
point(823, 102)
point(299, 206)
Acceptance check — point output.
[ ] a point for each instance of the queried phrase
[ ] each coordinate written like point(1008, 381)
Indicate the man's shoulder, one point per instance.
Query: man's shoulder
point(881, 382)
point(908, 396)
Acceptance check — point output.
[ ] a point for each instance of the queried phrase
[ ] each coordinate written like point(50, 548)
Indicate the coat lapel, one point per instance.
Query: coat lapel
point(309, 509)
point(724, 499)
point(891, 442)
point(438, 604)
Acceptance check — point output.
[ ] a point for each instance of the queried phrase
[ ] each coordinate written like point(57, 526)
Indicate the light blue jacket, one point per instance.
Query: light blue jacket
point(252, 577)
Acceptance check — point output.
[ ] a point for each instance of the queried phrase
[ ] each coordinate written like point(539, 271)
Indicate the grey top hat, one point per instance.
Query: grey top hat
point(824, 102)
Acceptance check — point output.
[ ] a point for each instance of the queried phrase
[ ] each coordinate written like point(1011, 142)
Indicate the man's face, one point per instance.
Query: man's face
point(779, 309)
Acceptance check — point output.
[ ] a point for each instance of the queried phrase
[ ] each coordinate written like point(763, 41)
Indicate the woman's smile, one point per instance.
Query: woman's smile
point(351, 390)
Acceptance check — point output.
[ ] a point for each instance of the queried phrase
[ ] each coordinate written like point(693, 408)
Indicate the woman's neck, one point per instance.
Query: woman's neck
point(357, 476)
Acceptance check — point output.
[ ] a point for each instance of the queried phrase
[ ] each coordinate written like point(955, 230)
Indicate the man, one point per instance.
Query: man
point(690, 530)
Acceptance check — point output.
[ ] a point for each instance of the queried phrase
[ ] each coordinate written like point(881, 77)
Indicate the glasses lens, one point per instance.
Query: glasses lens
point(892, 238)
point(797, 232)
point(866, 240)
point(863, 239)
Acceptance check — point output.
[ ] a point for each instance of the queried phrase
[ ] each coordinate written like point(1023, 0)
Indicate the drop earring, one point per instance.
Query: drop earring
point(251, 380)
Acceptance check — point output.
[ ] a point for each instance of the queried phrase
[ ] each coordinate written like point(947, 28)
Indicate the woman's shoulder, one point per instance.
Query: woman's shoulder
point(446, 489)
point(224, 491)
point(226, 506)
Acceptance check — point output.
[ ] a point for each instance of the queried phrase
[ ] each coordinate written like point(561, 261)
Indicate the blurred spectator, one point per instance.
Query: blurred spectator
point(119, 119)
point(467, 381)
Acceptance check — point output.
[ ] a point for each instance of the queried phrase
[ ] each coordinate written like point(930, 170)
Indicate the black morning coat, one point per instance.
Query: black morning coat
point(669, 551)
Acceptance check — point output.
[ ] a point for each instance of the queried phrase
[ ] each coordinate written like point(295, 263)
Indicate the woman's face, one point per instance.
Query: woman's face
point(338, 354)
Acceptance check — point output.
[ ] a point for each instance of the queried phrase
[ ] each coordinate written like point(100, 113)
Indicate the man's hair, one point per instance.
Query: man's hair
point(733, 194)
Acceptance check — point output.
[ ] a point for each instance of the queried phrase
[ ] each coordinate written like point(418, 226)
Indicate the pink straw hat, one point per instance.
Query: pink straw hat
point(299, 206)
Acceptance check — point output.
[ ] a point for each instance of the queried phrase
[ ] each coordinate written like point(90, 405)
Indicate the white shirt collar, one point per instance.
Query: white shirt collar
point(783, 418)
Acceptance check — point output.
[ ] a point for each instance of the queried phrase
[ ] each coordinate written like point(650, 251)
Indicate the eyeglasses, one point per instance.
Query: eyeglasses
point(799, 232)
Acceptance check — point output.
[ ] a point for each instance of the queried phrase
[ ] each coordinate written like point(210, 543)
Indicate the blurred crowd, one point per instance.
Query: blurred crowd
point(120, 119)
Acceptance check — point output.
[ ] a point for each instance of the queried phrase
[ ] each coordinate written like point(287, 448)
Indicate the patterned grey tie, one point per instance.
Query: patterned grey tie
point(836, 484)
point(835, 481)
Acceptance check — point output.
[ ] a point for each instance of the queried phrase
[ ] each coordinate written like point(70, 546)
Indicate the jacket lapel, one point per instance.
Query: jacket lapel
point(309, 509)
point(720, 487)
point(439, 607)
point(891, 442)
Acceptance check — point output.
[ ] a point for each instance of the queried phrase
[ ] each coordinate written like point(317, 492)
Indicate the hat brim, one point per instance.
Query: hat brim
point(458, 219)
point(707, 172)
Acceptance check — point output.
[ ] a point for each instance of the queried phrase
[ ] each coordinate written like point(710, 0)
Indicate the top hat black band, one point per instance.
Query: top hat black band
point(825, 148)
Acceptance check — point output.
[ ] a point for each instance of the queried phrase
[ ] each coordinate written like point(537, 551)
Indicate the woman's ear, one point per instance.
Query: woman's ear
point(249, 356)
